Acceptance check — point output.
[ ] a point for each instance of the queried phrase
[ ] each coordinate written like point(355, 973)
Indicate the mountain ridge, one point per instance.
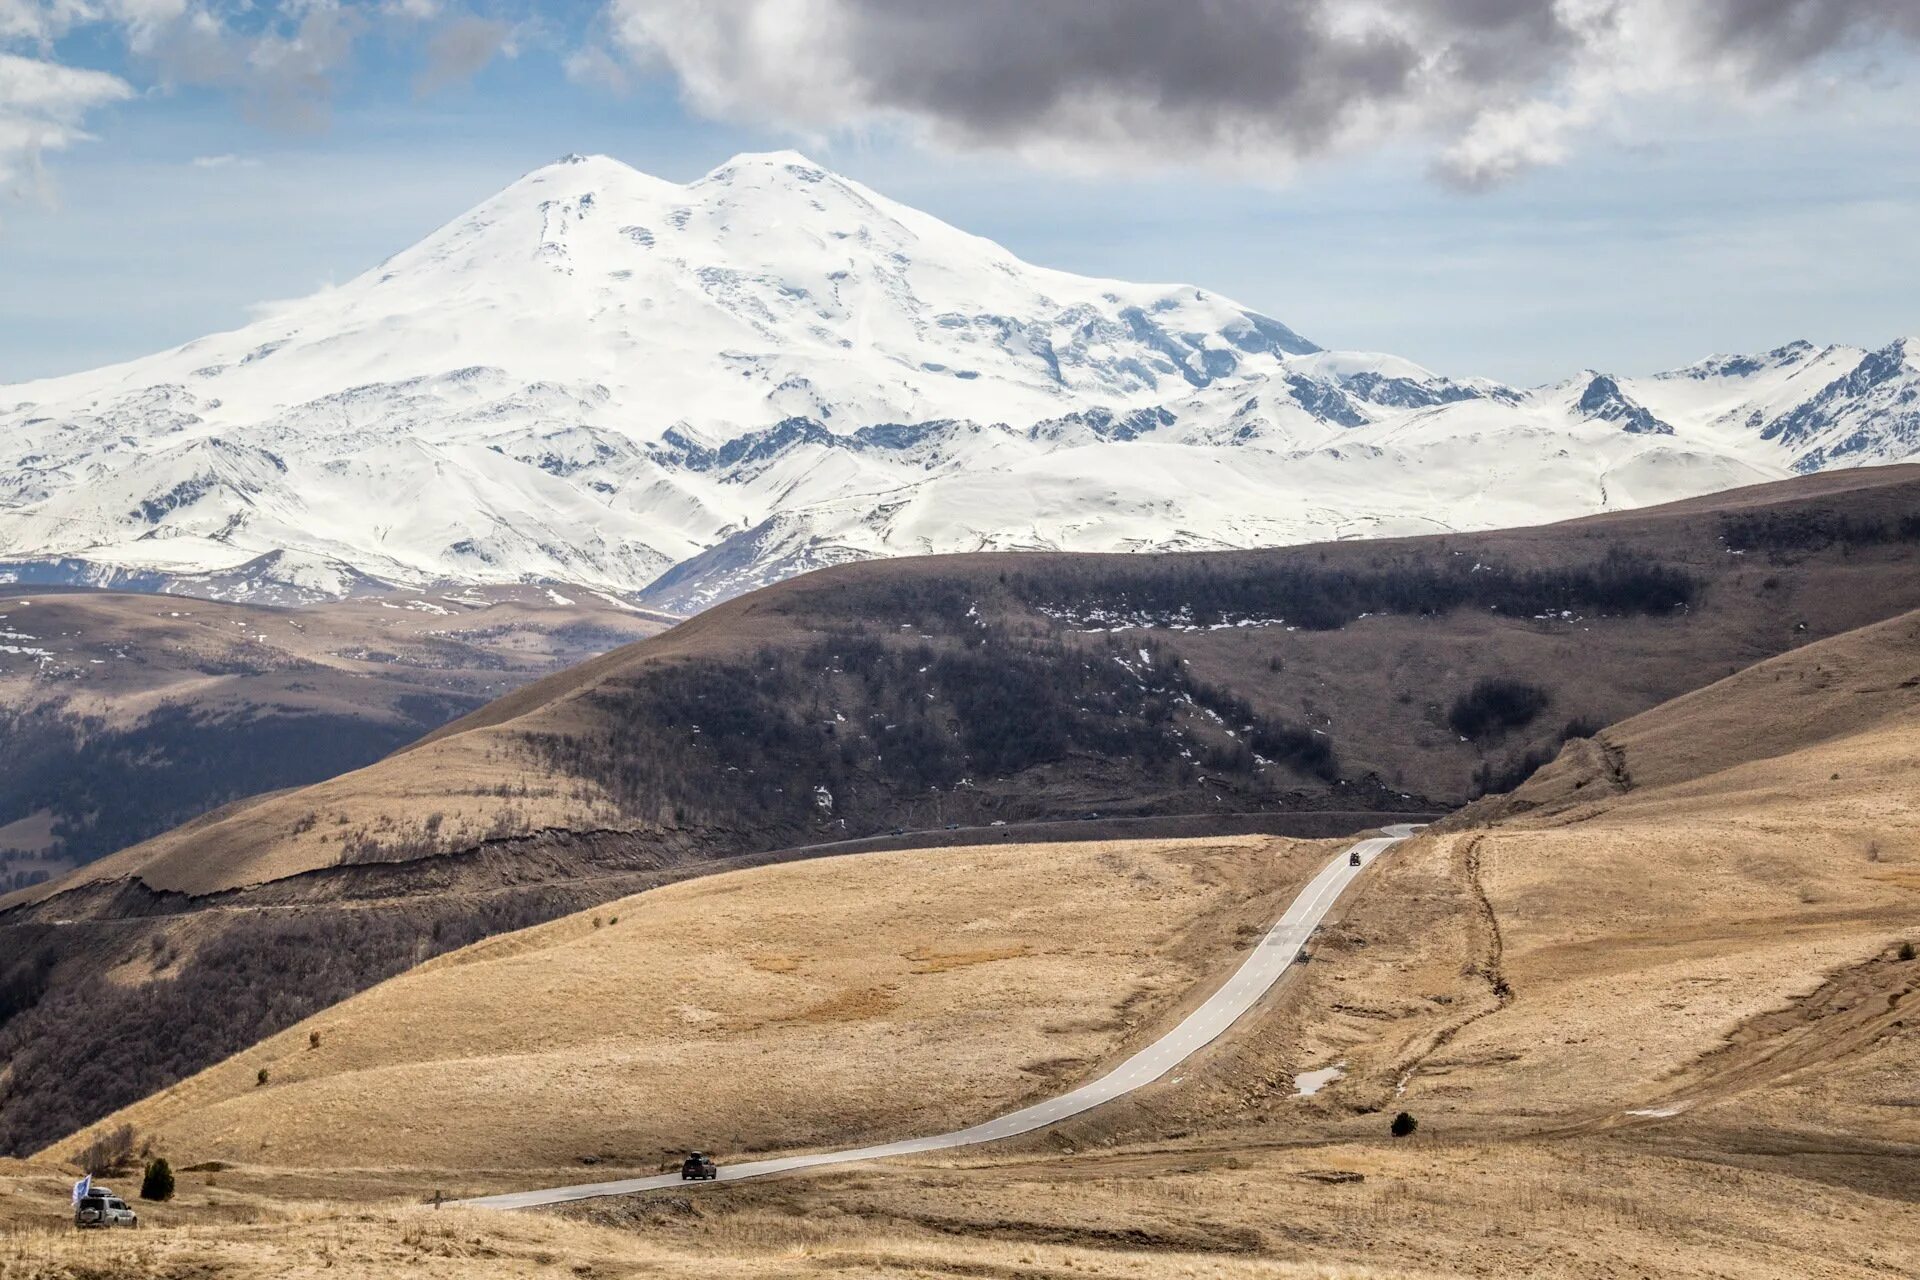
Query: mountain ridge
point(685, 391)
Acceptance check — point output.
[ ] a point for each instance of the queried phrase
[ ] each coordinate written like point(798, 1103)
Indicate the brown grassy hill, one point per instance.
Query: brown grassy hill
point(920, 693)
point(1657, 1024)
point(844, 999)
point(1863, 681)
point(122, 714)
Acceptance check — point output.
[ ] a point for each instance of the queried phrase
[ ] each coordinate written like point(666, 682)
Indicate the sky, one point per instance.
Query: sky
point(1516, 189)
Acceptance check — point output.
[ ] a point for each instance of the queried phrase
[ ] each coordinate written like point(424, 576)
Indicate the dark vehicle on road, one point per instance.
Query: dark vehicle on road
point(104, 1209)
point(697, 1168)
point(1353, 859)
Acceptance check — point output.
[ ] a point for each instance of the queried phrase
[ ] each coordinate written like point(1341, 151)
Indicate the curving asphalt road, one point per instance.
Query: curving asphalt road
point(1253, 979)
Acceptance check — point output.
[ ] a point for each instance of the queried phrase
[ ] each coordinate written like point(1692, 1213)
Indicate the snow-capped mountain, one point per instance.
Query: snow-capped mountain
point(600, 377)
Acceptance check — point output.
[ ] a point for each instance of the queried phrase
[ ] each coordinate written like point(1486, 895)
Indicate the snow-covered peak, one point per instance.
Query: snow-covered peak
point(783, 161)
point(766, 288)
point(600, 376)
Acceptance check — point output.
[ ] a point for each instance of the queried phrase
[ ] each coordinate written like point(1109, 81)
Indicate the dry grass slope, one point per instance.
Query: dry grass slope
point(1649, 1028)
point(1653, 1012)
point(835, 1001)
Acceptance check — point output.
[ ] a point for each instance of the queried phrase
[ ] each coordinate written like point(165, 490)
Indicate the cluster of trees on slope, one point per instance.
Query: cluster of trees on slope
point(938, 698)
point(1813, 529)
point(1496, 705)
point(1205, 591)
point(853, 723)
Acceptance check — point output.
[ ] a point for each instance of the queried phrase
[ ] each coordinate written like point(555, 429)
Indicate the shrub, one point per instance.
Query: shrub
point(313, 1039)
point(158, 1184)
point(1403, 1125)
point(1494, 706)
point(1517, 769)
point(260, 1079)
point(110, 1150)
point(1906, 951)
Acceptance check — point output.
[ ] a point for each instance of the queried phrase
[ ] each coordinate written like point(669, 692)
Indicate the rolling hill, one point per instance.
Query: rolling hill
point(1653, 1012)
point(1385, 675)
point(748, 1009)
point(122, 715)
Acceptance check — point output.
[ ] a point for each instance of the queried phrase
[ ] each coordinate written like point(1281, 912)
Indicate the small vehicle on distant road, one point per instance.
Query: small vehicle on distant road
point(1353, 859)
point(698, 1168)
point(102, 1208)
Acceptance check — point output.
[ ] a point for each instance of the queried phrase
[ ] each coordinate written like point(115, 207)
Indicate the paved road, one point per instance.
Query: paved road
point(1262, 969)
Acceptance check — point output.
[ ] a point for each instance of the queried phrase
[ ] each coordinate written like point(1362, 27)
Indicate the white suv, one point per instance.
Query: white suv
point(104, 1209)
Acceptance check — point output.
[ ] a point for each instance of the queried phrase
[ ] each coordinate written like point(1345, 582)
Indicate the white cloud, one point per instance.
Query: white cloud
point(596, 68)
point(43, 106)
point(226, 160)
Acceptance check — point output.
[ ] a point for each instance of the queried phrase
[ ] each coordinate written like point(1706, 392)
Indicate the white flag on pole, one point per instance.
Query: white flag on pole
point(81, 1188)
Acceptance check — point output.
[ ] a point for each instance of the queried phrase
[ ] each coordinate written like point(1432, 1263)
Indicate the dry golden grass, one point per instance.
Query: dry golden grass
point(1769, 842)
point(833, 1001)
point(386, 803)
point(1700, 923)
point(451, 1244)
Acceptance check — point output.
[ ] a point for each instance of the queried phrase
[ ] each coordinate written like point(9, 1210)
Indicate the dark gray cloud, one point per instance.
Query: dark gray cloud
point(1767, 39)
point(1496, 85)
point(996, 69)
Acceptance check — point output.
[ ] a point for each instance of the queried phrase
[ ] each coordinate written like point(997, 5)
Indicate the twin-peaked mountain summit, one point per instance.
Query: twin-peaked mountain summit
point(685, 391)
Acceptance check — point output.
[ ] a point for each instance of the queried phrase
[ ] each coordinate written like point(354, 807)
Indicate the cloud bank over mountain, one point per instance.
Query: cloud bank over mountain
point(1251, 86)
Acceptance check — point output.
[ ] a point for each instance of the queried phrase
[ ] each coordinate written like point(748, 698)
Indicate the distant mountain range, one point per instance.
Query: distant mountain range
point(680, 393)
